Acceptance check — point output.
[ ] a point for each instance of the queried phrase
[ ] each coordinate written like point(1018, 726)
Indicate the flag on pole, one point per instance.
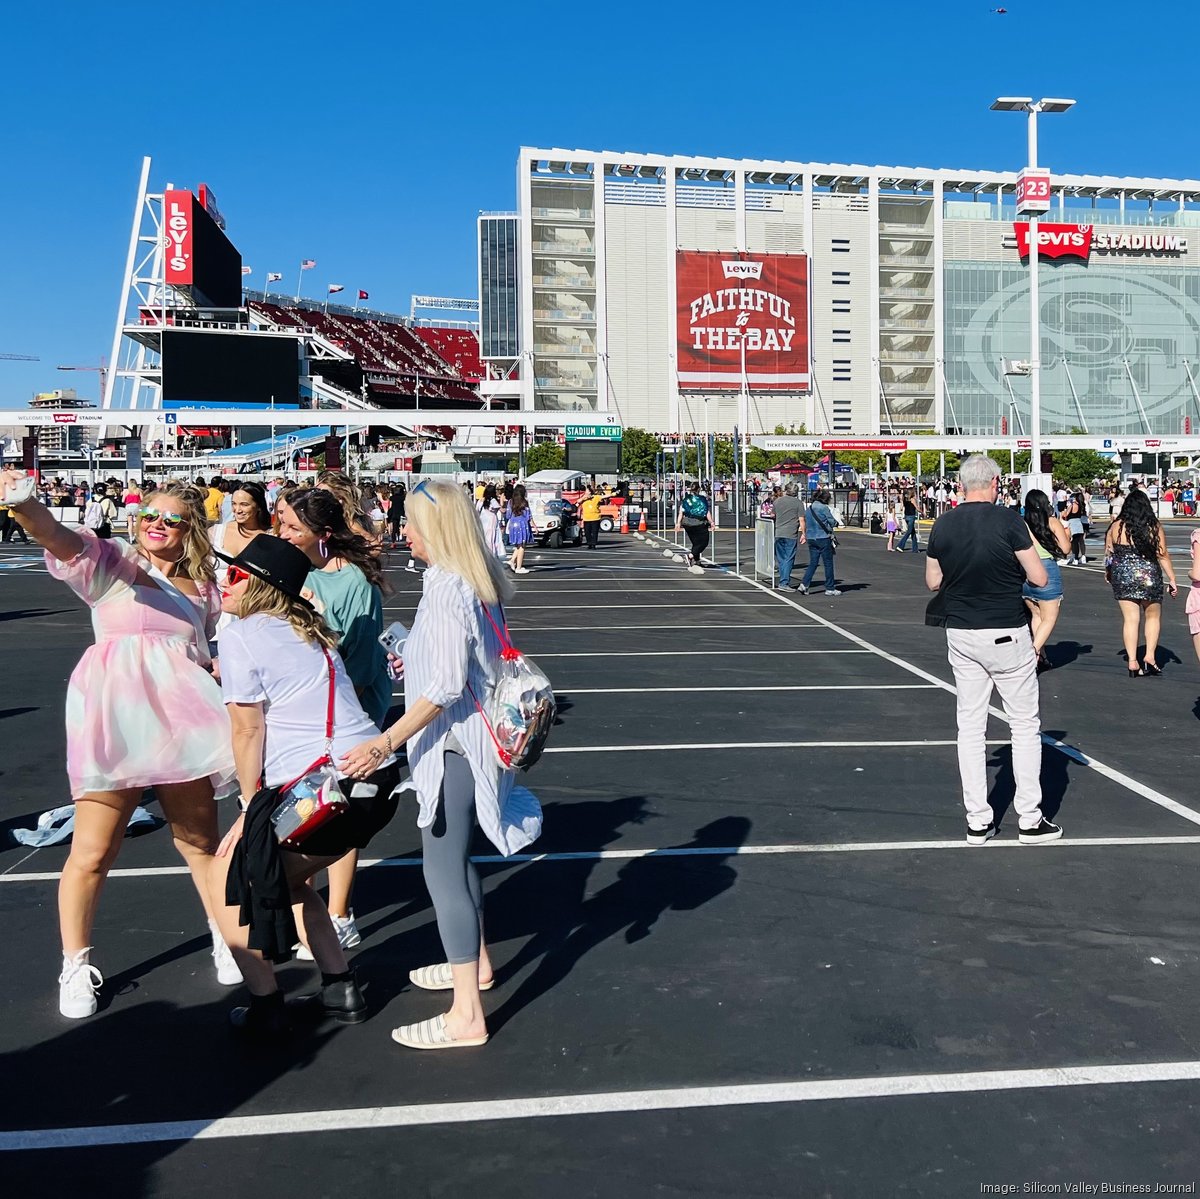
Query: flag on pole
point(273, 276)
point(247, 270)
point(362, 295)
point(334, 288)
point(307, 264)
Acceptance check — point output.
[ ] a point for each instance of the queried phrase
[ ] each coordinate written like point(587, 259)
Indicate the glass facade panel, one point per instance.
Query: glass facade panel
point(499, 311)
point(1116, 339)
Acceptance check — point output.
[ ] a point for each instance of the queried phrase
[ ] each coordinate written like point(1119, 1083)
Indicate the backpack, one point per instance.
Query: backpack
point(520, 707)
point(695, 505)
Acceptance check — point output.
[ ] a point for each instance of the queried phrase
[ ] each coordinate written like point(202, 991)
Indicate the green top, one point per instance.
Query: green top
point(353, 609)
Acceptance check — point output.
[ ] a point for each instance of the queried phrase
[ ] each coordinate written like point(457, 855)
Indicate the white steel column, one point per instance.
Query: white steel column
point(1035, 330)
point(603, 398)
point(939, 307)
point(810, 422)
point(739, 210)
point(114, 357)
point(872, 428)
point(670, 331)
point(525, 282)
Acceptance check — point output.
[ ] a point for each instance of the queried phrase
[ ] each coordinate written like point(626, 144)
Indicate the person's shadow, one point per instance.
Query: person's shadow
point(1055, 777)
point(529, 894)
point(678, 879)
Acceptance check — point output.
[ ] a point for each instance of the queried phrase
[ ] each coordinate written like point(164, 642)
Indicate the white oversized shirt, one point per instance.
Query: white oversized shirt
point(451, 651)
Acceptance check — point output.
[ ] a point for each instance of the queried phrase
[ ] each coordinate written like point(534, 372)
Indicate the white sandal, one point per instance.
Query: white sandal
point(432, 1034)
point(440, 978)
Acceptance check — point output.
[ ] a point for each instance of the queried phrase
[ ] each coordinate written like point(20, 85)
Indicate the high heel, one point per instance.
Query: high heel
point(1134, 672)
point(1151, 670)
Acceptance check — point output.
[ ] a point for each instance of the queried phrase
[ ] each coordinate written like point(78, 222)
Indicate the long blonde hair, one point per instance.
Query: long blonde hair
point(262, 599)
point(446, 521)
point(197, 561)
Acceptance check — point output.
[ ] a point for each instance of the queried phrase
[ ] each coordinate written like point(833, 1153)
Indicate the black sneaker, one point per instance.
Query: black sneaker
point(265, 1023)
point(981, 836)
point(1040, 835)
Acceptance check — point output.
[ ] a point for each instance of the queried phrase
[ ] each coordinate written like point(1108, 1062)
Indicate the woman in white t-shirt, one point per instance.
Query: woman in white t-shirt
point(285, 689)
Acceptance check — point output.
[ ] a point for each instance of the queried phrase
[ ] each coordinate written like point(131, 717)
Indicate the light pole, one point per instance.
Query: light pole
point(1036, 200)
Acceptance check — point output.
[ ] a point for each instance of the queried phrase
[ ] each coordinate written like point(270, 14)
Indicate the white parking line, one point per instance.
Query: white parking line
point(680, 851)
point(678, 626)
point(695, 653)
point(743, 690)
point(702, 746)
point(739, 604)
point(515, 1107)
point(1076, 755)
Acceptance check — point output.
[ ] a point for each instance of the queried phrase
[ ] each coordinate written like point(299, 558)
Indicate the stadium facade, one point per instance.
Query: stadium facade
point(858, 300)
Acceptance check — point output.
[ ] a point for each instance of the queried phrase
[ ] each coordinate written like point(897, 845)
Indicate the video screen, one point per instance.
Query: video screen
point(235, 368)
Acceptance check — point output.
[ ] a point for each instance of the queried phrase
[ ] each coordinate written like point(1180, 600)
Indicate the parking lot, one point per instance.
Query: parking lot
point(751, 954)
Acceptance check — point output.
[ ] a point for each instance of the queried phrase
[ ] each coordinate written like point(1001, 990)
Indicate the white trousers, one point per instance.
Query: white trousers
point(1003, 658)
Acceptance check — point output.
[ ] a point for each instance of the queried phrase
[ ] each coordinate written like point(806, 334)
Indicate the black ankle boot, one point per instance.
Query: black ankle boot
point(266, 1019)
point(340, 999)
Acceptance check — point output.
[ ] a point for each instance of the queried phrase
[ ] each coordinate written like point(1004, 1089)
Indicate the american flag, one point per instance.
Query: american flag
point(308, 264)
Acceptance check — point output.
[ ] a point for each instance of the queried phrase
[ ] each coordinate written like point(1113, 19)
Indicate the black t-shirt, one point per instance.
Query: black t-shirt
point(910, 509)
point(975, 545)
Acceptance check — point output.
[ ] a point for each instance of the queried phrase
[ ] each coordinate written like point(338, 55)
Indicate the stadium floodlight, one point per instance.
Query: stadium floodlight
point(1031, 107)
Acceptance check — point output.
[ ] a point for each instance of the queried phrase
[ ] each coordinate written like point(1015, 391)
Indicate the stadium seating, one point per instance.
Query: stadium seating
point(458, 347)
point(397, 361)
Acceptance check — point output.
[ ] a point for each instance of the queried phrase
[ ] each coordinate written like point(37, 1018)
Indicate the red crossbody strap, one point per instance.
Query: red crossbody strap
point(329, 706)
point(508, 652)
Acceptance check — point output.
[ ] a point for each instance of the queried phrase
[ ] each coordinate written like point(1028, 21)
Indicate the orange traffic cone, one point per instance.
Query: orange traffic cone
point(624, 518)
point(642, 522)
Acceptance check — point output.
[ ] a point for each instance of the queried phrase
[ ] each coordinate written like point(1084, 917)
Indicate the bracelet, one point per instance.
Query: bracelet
point(387, 733)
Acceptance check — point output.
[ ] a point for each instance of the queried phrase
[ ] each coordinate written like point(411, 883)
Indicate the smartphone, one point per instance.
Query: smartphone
point(393, 638)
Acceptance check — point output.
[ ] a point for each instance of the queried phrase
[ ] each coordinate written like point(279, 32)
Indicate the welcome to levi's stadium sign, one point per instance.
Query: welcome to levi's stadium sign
point(1078, 241)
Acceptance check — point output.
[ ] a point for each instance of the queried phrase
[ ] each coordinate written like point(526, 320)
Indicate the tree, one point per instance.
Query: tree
point(542, 455)
point(1078, 467)
point(639, 451)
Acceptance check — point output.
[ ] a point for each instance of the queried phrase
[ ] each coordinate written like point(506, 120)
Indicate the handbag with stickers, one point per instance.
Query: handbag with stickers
point(313, 799)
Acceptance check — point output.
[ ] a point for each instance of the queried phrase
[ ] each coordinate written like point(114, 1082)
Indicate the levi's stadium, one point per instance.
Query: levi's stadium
point(685, 294)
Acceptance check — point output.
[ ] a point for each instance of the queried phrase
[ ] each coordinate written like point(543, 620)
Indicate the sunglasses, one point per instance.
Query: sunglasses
point(235, 575)
point(422, 488)
point(171, 519)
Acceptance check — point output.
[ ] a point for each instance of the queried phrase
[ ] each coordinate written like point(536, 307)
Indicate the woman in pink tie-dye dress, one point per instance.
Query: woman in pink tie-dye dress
point(142, 709)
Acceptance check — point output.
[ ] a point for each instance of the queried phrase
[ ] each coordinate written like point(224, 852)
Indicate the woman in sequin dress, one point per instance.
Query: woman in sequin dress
point(1137, 562)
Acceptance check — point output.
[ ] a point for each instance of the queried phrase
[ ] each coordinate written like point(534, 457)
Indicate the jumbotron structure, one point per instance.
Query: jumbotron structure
point(188, 336)
point(679, 292)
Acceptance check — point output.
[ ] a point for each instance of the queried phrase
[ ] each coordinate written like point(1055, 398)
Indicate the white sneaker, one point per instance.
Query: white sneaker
point(228, 974)
point(77, 986)
point(521, 570)
point(347, 934)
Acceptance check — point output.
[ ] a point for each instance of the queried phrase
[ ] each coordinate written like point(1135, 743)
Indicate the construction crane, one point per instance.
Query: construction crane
point(20, 357)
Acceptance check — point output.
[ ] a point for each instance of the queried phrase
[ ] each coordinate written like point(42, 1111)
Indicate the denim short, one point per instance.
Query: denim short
point(1053, 589)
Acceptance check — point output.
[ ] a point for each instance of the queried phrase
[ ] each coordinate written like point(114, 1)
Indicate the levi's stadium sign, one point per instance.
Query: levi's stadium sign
point(1078, 241)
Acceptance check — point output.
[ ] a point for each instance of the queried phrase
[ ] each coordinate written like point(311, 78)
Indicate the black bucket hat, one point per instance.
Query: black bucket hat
point(276, 562)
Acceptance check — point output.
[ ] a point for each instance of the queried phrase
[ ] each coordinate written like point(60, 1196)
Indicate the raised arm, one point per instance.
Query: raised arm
point(40, 524)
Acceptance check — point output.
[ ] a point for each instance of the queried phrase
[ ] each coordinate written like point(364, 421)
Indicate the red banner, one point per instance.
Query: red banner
point(730, 305)
point(178, 228)
point(1055, 241)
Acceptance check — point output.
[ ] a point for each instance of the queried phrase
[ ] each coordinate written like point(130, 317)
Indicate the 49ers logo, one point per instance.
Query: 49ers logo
point(1056, 241)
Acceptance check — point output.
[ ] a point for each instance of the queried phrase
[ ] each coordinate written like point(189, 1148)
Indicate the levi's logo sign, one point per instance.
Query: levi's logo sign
point(742, 270)
point(1056, 241)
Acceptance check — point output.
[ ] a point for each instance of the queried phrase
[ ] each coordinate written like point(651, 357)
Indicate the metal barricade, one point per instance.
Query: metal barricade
point(764, 548)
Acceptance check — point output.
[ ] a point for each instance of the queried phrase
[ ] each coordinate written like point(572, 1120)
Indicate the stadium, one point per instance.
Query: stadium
point(681, 293)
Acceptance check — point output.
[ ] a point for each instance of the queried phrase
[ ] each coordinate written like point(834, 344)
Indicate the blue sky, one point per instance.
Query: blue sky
point(369, 135)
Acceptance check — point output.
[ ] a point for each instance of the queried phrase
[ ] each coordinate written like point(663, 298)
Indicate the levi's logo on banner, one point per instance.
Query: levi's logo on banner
point(177, 230)
point(741, 309)
point(1055, 241)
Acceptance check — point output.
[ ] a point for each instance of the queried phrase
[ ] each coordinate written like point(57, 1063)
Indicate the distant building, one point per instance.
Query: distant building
point(57, 439)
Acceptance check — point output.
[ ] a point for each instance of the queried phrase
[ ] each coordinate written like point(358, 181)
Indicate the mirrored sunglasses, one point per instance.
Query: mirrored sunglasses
point(171, 519)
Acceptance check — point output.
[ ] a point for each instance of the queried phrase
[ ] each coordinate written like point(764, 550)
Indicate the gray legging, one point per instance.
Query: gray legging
point(450, 874)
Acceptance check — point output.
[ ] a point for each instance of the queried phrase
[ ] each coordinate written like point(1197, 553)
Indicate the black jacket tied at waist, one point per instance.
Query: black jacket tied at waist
point(257, 882)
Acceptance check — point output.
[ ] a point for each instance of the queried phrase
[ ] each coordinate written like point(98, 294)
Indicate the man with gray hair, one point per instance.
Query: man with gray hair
point(977, 557)
point(789, 532)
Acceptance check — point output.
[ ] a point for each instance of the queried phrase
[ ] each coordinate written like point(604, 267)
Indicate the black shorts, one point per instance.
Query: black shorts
point(366, 815)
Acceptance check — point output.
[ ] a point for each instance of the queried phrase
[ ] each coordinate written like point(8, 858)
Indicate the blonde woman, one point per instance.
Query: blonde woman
point(143, 687)
point(449, 660)
point(280, 672)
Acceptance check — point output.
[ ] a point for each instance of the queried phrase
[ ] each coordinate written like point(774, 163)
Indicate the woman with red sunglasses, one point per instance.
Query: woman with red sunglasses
point(141, 688)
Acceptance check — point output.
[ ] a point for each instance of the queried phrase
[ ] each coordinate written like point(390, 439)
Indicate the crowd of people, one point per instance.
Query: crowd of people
point(241, 625)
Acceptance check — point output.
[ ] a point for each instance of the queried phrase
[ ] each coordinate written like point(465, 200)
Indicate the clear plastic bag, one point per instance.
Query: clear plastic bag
point(304, 806)
point(519, 711)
